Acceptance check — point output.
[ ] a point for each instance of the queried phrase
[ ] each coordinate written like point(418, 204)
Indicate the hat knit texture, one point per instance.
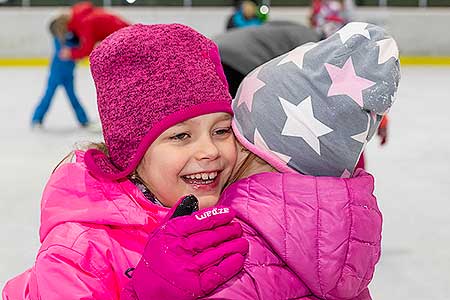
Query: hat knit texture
point(149, 78)
point(314, 109)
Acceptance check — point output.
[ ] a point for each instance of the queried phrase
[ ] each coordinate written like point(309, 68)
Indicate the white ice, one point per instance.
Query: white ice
point(412, 176)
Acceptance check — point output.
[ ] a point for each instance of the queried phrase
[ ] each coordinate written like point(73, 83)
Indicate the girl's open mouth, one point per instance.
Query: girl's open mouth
point(203, 179)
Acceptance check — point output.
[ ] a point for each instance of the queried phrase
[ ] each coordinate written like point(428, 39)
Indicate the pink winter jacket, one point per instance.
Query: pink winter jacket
point(91, 232)
point(310, 237)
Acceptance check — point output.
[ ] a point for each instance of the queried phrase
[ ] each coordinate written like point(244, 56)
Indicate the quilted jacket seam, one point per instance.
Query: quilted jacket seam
point(355, 240)
point(350, 212)
point(318, 237)
point(285, 219)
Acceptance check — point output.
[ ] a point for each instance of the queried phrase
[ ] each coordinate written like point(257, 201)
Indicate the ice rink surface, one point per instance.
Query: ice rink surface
point(412, 175)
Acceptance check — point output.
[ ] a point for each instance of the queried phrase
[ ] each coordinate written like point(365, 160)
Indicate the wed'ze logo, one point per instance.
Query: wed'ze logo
point(213, 212)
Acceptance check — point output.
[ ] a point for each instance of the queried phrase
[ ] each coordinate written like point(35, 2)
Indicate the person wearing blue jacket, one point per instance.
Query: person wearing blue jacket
point(61, 73)
point(245, 15)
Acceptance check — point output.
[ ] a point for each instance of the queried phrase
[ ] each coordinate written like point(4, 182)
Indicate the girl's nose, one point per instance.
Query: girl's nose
point(207, 149)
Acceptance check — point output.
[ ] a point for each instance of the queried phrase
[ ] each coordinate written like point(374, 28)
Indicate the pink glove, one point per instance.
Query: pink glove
point(188, 257)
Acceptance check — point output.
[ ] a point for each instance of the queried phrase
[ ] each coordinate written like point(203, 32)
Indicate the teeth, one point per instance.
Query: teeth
point(202, 176)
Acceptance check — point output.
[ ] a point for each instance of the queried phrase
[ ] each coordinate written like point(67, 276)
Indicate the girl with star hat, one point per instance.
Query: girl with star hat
point(303, 120)
point(312, 221)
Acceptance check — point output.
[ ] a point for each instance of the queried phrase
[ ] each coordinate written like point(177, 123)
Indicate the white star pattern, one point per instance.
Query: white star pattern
point(362, 137)
point(260, 142)
point(296, 55)
point(394, 97)
point(302, 123)
point(388, 49)
point(353, 28)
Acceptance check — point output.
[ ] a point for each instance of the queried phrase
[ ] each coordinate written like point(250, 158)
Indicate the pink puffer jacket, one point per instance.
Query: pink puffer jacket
point(91, 232)
point(310, 237)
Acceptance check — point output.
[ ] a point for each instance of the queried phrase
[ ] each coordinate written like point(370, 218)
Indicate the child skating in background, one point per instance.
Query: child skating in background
point(61, 73)
point(91, 24)
point(166, 116)
point(308, 112)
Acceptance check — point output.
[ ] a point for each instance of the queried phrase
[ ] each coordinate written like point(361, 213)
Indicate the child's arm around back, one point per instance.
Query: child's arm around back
point(326, 230)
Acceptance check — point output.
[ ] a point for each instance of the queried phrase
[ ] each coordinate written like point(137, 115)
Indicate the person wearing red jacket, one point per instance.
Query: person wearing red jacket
point(91, 25)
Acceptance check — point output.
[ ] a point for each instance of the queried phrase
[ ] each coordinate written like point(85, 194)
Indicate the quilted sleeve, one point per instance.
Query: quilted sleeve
point(348, 238)
point(326, 230)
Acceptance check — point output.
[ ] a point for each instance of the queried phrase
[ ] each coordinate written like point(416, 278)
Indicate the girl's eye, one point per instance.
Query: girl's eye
point(222, 131)
point(179, 136)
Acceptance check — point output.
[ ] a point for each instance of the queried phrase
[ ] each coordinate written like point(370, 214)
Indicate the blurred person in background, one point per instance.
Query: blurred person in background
point(245, 49)
point(91, 25)
point(328, 16)
point(61, 73)
point(247, 13)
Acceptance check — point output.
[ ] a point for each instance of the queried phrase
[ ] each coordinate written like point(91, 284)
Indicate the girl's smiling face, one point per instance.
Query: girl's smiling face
point(196, 157)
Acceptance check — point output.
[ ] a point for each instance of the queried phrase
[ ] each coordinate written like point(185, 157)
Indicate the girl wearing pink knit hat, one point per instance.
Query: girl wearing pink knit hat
point(311, 220)
point(166, 115)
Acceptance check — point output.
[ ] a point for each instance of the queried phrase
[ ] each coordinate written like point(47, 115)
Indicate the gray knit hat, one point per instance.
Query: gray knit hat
point(313, 109)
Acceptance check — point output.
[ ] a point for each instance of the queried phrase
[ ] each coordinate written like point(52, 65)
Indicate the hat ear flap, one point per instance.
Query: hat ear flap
point(99, 164)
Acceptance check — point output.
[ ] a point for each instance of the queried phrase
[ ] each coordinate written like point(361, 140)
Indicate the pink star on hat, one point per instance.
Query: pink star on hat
point(250, 85)
point(345, 82)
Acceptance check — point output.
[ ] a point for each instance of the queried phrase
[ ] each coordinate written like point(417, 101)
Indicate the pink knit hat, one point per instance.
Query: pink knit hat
point(149, 78)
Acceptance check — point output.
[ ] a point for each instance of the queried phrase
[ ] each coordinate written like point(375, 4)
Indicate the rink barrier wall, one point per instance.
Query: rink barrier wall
point(404, 61)
point(419, 32)
point(32, 62)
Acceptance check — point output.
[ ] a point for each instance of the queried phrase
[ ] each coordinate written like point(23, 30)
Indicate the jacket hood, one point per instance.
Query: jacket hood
point(79, 11)
point(73, 194)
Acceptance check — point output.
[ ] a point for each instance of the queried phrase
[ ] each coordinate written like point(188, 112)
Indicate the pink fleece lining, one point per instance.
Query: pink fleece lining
point(92, 156)
point(270, 158)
